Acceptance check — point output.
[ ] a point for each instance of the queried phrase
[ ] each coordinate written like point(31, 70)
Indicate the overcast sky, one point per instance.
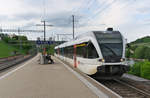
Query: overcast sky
point(130, 17)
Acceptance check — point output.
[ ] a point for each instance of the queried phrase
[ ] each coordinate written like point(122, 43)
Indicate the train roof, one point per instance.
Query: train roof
point(85, 37)
point(79, 39)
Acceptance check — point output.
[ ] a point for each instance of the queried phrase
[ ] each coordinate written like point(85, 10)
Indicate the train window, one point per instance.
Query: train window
point(87, 51)
point(65, 51)
point(81, 50)
point(92, 53)
point(68, 52)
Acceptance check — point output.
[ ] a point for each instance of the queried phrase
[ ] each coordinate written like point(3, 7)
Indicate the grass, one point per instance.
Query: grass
point(6, 50)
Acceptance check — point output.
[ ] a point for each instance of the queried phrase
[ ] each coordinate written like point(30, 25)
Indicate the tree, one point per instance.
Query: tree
point(15, 37)
point(147, 53)
point(140, 52)
point(23, 38)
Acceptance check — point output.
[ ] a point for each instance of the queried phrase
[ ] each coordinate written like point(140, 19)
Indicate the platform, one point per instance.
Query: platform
point(135, 78)
point(32, 80)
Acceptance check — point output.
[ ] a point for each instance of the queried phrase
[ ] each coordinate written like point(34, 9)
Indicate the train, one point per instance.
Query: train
point(99, 54)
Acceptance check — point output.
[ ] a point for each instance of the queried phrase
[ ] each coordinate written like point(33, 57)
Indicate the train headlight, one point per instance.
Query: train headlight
point(101, 60)
point(122, 59)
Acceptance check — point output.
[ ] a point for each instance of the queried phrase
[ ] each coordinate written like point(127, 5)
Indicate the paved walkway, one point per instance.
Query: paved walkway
point(33, 80)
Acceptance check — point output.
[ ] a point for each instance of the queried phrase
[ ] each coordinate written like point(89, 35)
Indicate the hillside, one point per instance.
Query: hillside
point(140, 48)
point(6, 50)
point(142, 41)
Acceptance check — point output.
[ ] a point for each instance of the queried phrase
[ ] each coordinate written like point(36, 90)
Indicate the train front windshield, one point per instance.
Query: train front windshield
point(111, 46)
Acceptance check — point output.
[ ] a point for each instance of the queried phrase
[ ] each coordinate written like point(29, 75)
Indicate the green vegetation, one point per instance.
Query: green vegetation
point(142, 52)
point(141, 69)
point(140, 49)
point(50, 49)
point(142, 40)
point(10, 46)
point(6, 50)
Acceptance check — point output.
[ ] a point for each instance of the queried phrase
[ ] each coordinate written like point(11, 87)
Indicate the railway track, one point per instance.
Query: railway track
point(124, 89)
point(6, 63)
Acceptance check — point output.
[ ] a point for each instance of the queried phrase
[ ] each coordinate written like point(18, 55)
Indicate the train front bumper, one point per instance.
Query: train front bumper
point(112, 69)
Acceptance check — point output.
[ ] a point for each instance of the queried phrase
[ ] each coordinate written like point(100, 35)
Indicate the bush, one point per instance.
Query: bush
point(135, 69)
point(141, 69)
point(6, 39)
point(145, 70)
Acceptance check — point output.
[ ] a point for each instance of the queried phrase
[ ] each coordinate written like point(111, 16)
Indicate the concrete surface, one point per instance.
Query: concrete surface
point(33, 80)
point(133, 77)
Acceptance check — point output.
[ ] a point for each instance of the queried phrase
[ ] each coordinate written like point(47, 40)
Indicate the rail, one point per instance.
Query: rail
point(124, 89)
point(7, 59)
point(13, 60)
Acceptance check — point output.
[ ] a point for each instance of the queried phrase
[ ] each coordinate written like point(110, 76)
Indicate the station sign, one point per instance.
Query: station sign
point(39, 42)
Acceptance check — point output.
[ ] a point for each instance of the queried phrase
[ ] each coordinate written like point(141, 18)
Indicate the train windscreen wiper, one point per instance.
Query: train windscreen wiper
point(110, 49)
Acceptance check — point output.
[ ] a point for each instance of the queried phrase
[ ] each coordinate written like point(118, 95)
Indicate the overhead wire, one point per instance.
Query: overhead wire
point(75, 11)
point(106, 7)
point(83, 4)
point(88, 4)
point(99, 8)
point(102, 9)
